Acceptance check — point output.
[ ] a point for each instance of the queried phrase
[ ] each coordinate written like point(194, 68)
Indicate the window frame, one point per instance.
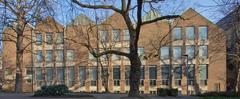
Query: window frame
point(39, 40)
point(186, 33)
point(173, 34)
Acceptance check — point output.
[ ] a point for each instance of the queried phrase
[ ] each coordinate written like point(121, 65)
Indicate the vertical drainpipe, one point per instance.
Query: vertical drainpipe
point(33, 72)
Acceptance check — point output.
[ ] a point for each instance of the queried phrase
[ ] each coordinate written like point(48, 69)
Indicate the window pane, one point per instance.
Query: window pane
point(39, 74)
point(71, 73)
point(203, 72)
point(142, 72)
point(93, 73)
point(153, 72)
point(176, 35)
point(49, 73)
point(82, 74)
point(116, 72)
point(49, 38)
point(203, 52)
point(177, 71)
point(60, 55)
point(190, 51)
point(203, 33)
point(190, 33)
point(49, 56)
point(70, 55)
point(165, 72)
point(59, 38)
point(177, 52)
point(126, 35)
point(104, 36)
point(116, 35)
point(140, 51)
point(39, 56)
point(127, 71)
point(60, 73)
point(191, 72)
point(164, 52)
point(38, 38)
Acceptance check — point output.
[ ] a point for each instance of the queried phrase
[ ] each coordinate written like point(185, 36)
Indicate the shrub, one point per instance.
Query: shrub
point(54, 90)
point(167, 92)
point(219, 94)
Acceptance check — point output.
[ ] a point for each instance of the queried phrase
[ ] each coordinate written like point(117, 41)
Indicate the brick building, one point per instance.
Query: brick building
point(59, 55)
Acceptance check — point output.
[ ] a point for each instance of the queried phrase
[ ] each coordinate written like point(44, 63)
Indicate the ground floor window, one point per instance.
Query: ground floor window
point(82, 75)
point(152, 75)
point(93, 75)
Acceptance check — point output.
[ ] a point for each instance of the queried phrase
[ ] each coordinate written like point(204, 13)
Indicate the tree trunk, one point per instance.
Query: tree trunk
point(19, 63)
point(134, 75)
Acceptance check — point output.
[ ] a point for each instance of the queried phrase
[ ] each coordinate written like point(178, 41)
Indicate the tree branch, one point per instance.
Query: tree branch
point(97, 6)
point(162, 18)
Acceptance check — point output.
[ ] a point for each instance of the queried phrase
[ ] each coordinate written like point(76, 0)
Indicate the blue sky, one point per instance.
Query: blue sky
point(205, 7)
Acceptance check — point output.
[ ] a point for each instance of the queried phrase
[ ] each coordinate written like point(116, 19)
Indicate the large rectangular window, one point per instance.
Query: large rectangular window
point(203, 52)
point(39, 75)
point(116, 35)
point(70, 55)
point(203, 33)
point(203, 68)
point(93, 75)
point(126, 36)
point(152, 75)
point(71, 76)
point(38, 38)
point(104, 36)
point(141, 51)
point(165, 71)
point(60, 38)
point(177, 34)
point(190, 51)
point(39, 56)
point(60, 55)
point(49, 38)
point(82, 75)
point(60, 75)
point(164, 52)
point(49, 55)
point(177, 52)
point(190, 35)
point(116, 75)
point(49, 75)
point(127, 74)
point(177, 74)
point(191, 74)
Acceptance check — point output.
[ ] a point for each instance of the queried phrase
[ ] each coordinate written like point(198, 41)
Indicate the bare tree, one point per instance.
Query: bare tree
point(134, 27)
point(17, 15)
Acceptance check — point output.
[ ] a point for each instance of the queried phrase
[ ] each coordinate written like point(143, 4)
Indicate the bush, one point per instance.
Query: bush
point(167, 92)
point(54, 90)
point(219, 94)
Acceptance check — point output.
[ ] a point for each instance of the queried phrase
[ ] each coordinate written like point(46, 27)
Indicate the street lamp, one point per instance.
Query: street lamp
point(185, 63)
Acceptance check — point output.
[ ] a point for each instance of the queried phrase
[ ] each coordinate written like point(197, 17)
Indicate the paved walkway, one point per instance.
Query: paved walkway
point(96, 96)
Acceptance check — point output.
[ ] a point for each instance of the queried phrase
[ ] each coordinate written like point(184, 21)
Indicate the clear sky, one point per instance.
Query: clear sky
point(205, 7)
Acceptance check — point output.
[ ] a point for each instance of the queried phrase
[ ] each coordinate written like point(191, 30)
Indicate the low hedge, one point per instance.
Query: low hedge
point(219, 94)
point(53, 90)
point(167, 92)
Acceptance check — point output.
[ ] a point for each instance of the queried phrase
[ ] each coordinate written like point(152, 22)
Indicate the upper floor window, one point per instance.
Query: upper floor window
point(49, 54)
point(164, 52)
point(60, 55)
point(49, 38)
point(39, 56)
point(104, 36)
point(177, 34)
point(116, 35)
point(38, 38)
point(190, 51)
point(203, 52)
point(203, 33)
point(60, 38)
point(126, 35)
point(177, 52)
point(70, 55)
point(140, 51)
point(190, 35)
